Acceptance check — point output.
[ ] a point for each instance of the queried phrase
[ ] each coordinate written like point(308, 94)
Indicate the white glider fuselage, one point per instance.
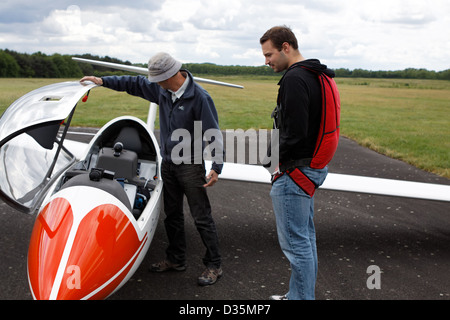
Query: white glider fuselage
point(97, 213)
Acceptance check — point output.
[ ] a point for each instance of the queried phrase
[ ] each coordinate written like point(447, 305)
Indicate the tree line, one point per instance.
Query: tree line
point(40, 65)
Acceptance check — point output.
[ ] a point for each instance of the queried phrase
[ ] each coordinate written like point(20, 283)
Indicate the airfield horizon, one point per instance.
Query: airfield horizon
point(406, 119)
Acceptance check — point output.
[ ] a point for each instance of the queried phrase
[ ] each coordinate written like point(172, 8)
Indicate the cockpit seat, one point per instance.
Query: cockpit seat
point(122, 159)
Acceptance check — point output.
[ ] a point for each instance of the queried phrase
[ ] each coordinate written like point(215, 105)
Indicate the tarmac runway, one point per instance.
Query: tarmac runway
point(407, 239)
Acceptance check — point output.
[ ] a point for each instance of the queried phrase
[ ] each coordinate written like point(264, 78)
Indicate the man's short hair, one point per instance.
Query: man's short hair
point(279, 35)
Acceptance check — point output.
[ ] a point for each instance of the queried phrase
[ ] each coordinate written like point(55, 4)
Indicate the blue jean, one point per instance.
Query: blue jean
point(294, 212)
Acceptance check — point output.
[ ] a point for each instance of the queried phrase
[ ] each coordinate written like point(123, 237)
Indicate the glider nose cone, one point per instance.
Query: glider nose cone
point(87, 256)
point(48, 240)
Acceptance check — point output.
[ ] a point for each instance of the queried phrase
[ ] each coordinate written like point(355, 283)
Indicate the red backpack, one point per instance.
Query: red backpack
point(328, 138)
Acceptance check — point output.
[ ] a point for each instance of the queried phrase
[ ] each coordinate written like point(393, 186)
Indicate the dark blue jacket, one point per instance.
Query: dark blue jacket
point(195, 105)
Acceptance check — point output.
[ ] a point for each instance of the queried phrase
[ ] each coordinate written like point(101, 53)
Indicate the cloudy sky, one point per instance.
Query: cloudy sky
point(368, 34)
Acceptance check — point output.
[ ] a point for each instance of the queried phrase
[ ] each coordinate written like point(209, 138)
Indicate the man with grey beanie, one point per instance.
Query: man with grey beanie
point(182, 103)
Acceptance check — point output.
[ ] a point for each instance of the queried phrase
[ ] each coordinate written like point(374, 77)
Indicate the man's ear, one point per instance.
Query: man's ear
point(286, 47)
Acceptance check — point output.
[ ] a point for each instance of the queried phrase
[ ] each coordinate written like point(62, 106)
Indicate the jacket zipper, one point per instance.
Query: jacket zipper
point(170, 123)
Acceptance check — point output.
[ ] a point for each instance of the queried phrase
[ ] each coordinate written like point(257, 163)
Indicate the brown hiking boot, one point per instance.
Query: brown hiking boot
point(166, 265)
point(210, 276)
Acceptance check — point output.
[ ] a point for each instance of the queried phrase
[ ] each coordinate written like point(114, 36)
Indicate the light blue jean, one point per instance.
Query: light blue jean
point(294, 212)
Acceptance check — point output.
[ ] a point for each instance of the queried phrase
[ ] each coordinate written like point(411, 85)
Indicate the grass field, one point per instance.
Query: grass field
point(404, 119)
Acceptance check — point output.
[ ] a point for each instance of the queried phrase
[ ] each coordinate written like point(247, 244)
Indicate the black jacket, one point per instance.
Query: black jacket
point(298, 112)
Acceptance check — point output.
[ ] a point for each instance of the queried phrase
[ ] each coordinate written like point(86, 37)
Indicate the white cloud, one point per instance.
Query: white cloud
point(413, 13)
point(381, 34)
